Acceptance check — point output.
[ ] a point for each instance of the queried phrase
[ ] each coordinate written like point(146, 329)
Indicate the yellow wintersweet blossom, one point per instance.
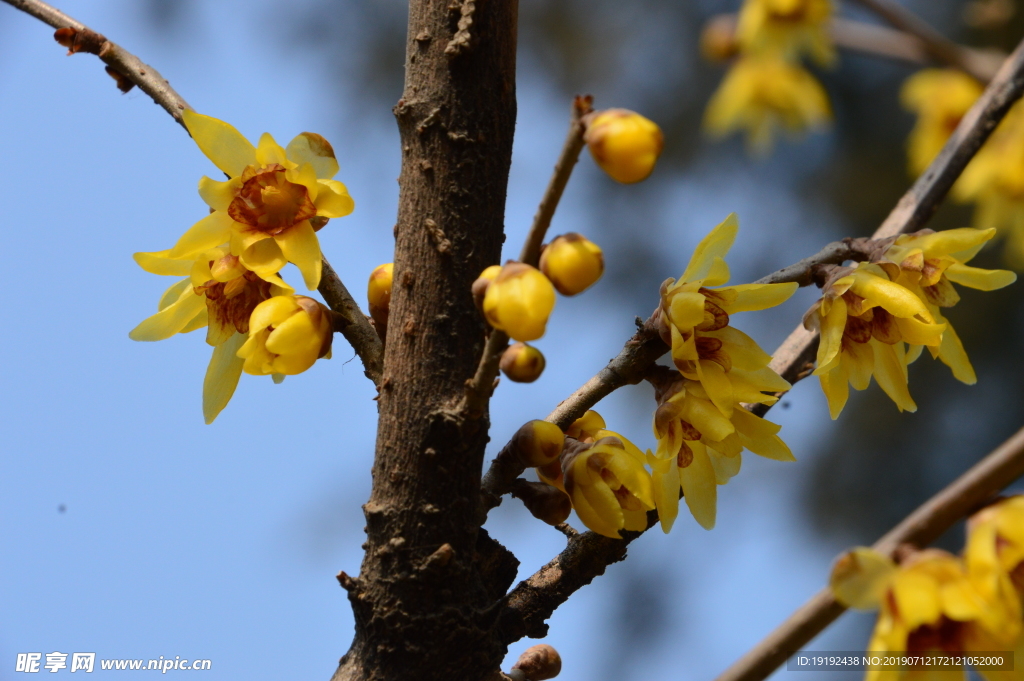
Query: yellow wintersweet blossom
point(759, 95)
point(940, 98)
point(518, 300)
point(930, 603)
point(287, 335)
point(865, 319)
point(699, 448)
point(219, 293)
point(572, 262)
point(787, 28)
point(994, 181)
point(928, 264)
point(609, 487)
point(694, 322)
point(273, 203)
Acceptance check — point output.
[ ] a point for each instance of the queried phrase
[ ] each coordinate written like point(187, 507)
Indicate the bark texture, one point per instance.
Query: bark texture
point(425, 599)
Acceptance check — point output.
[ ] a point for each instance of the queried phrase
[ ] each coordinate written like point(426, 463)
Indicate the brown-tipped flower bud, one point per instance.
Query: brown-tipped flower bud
point(519, 301)
point(572, 263)
point(625, 144)
point(543, 501)
point(718, 39)
point(482, 283)
point(522, 363)
point(540, 662)
point(378, 292)
point(538, 443)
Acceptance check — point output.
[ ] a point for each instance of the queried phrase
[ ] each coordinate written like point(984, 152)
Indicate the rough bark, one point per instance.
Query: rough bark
point(424, 601)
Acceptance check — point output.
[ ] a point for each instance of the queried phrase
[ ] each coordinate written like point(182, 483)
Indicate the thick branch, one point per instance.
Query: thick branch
point(117, 58)
point(965, 495)
point(350, 322)
point(537, 597)
point(937, 45)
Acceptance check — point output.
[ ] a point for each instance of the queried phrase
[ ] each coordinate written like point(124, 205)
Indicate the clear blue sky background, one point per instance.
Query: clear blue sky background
point(222, 541)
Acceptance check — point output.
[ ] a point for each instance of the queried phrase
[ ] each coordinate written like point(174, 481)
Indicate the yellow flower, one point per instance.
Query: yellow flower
point(287, 334)
point(624, 144)
point(273, 203)
point(694, 322)
point(787, 28)
point(864, 319)
point(996, 540)
point(699, 448)
point(760, 95)
point(994, 181)
point(519, 300)
point(930, 603)
point(929, 264)
point(219, 293)
point(940, 98)
point(572, 263)
point(609, 487)
point(522, 363)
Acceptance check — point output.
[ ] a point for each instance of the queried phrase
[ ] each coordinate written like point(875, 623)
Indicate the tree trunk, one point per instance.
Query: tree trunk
point(430, 576)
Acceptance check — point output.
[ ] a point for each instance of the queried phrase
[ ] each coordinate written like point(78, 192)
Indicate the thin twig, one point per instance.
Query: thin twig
point(937, 45)
point(534, 599)
point(350, 322)
point(480, 387)
point(965, 495)
point(117, 58)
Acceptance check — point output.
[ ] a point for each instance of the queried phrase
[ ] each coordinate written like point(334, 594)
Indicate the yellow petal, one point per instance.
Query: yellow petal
point(222, 376)
point(294, 335)
point(311, 148)
point(706, 418)
point(333, 200)
point(700, 489)
point(975, 277)
point(894, 298)
point(219, 195)
point(743, 350)
point(726, 467)
point(832, 327)
point(715, 245)
point(221, 143)
point(860, 361)
point(860, 577)
point(268, 151)
point(306, 176)
point(210, 232)
point(950, 241)
point(835, 384)
point(759, 296)
point(270, 312)
point(717, 385)
point(953, 355)
point(718, 274)
point(686, 310)
point(159, 263)
point(301, 247)
point(890, 375)
point(918, 332)
point(759, 436)
point(264, 257)
point(666, 496)
point(174, 293)
point(917, 598)
point(170, 320)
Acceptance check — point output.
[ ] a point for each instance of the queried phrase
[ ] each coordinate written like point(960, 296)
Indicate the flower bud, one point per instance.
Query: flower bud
point(625, 144)
point(543, 501)
point(522, 363)
point(538, 443)
point(718, 41)
point(482, 283)
point(518, 301)
point(378, 292)
point(287, 334)
point(539, 662)
point(572, 263)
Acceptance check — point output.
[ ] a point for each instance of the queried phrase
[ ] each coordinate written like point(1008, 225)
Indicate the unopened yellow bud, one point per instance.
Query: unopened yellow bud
point(572, 263)
point(482, 283)
point(718, 39)
point(538, 443)
point(539, 662)
point(522, 363)
point(625, 144)
point(378, 291)
point(519, 300)
point(287, 334)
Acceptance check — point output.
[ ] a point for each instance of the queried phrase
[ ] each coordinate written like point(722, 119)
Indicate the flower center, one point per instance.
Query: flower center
point(232, 302)
point(268, 202)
